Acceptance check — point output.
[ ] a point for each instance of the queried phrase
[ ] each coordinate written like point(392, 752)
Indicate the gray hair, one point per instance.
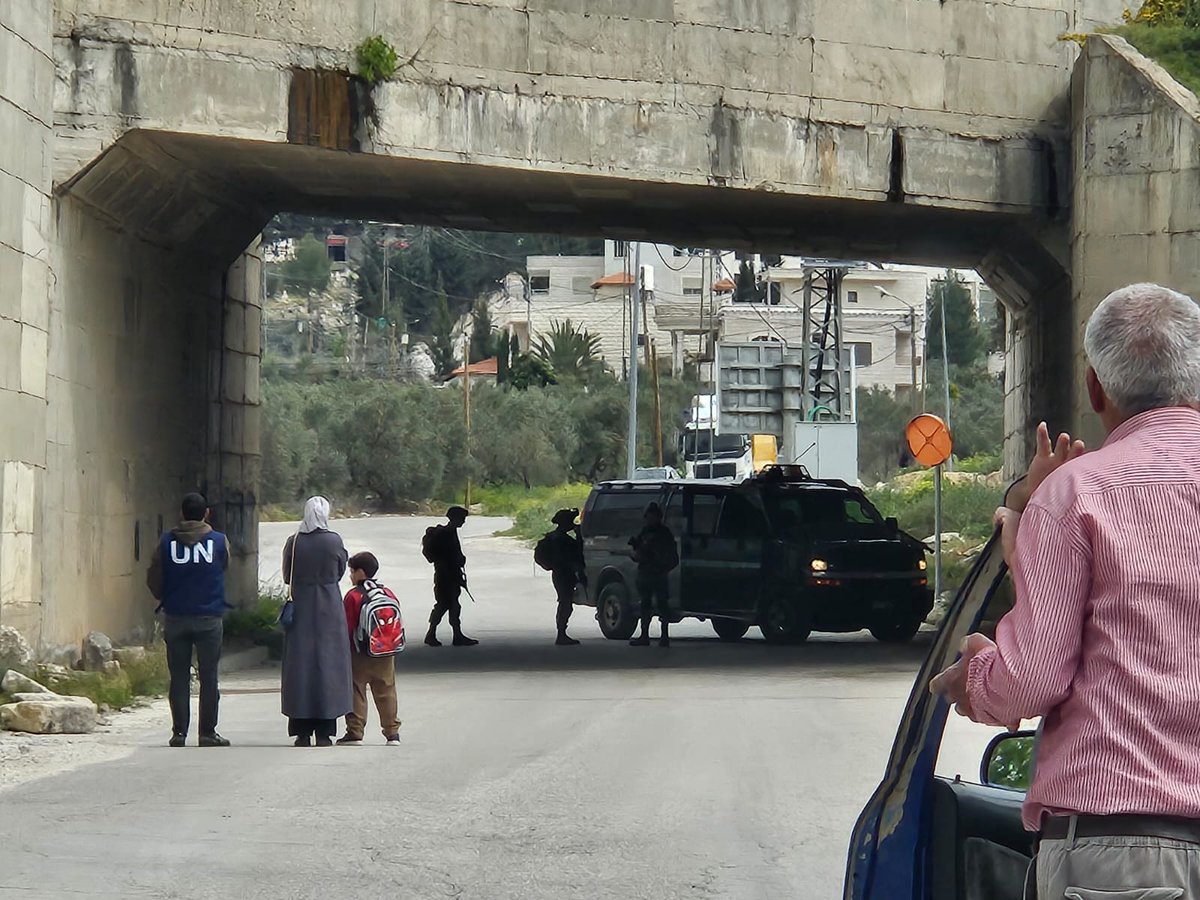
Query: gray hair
point(1143, 341)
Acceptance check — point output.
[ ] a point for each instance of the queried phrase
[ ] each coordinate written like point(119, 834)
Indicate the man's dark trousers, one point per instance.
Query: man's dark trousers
point(182, 634)
point(447, 591)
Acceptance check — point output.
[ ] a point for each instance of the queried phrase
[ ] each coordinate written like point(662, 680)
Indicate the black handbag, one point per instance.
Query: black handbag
point(287, 614)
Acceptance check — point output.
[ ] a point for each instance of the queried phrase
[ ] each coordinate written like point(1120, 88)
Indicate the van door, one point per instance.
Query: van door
point(739, 546)
point(700, 569)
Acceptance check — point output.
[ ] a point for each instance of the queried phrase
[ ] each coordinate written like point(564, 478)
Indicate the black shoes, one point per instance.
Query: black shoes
point(564, 641)
point(431, 640)
point(303, 741)
point(640, 641)
point(177, 740)
point(213, 740)
point(324, 742)
point(461, 640)
point(664, 642)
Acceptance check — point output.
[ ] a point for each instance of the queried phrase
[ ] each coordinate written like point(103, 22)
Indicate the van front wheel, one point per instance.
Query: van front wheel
point(615, 613)
point(896, 632)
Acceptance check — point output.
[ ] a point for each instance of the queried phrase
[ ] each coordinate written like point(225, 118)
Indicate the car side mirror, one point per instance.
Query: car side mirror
point(1008, 761)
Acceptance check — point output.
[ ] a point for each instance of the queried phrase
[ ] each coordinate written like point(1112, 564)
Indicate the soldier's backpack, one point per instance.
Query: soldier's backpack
point(432, 543)
point(380, 630)
point(546, 552)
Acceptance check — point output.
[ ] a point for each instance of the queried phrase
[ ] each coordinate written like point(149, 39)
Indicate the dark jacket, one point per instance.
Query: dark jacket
point(568, 554)
point(187, 570)
point(446, 550)
point(654, 551)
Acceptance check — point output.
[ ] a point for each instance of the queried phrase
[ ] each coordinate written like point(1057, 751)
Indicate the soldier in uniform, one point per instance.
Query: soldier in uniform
point(442, 548)
point(566, 560)
point(656, 556)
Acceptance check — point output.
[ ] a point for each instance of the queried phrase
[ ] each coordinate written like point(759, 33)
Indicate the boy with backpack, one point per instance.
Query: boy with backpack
point(376, 636)
point(560, 552)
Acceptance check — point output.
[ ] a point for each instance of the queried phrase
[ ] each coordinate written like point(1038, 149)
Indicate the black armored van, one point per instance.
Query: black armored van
point(781, 550)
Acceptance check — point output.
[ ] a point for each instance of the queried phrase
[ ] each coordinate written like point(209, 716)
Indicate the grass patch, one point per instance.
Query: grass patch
point(147, 677)
point(530, 509)
point(256, 624)
point(1175, 47)
point(967, 507)
point(278, 512)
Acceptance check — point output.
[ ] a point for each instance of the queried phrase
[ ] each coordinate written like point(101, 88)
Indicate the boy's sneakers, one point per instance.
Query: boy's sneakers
point(393, 740)
point(350, 739)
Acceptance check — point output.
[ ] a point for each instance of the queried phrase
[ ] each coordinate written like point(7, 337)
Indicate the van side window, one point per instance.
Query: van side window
point(705, 509)
point(618, 513)
point(741, 519)
point(674, 517)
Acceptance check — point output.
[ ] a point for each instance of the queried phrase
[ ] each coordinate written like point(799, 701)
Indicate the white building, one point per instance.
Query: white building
point(689, 301)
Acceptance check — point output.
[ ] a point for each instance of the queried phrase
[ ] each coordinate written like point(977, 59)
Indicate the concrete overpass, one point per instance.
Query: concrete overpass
point(155, 140)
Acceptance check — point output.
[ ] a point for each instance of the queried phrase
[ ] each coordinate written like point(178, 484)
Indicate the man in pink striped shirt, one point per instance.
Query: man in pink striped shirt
point(1103, 639)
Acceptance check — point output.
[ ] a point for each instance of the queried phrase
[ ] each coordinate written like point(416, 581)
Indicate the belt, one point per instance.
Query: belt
point(1166, 827)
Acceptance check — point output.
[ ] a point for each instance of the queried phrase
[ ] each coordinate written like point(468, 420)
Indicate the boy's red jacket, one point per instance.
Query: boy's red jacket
point(353, 603)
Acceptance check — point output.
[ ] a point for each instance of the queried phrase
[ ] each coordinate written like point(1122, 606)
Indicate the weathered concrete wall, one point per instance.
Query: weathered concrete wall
point(26, 151)
point(1136, 137)
point(936, 103)
point(150, 357)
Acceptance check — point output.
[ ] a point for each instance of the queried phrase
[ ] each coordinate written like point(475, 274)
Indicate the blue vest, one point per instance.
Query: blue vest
point(194, 575)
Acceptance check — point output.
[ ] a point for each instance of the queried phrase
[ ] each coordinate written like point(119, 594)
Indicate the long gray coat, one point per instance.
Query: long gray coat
point(317, 683)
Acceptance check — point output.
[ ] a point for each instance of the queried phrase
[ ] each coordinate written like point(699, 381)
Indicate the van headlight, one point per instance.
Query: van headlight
point(819, 565)
point(922, 565)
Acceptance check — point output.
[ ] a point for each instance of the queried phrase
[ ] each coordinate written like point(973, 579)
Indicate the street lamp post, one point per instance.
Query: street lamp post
point(912, 340)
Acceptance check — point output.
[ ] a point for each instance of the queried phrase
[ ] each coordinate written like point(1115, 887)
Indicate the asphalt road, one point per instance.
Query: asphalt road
point(526, 771)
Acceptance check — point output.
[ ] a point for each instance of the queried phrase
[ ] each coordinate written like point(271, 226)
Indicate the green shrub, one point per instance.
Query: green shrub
point(531, 509)
point(981, 463)
point(967, 507)
point(255, 622)
point(377, 59)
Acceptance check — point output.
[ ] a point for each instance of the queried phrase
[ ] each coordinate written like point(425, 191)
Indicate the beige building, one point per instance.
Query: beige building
point(690, 300)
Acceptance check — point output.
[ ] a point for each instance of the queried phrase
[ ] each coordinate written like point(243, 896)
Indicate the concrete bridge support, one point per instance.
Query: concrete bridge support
point(128, 366)
point(1136, 194)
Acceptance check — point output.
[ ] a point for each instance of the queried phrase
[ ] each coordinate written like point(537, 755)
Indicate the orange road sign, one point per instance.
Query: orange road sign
point(929, 440)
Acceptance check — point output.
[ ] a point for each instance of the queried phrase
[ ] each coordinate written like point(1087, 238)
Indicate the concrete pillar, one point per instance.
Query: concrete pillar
point(26, 119)
point(1136, 183)
point(234, 453)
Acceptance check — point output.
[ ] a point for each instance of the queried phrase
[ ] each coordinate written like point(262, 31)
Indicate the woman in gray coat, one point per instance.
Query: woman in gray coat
point(317, 684)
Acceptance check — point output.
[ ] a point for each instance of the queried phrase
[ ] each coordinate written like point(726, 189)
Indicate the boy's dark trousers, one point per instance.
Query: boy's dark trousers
point(182, 634)
point(378, 673)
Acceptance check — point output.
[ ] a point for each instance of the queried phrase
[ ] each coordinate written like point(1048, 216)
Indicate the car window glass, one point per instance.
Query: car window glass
point(673, 518)
point(857, 513)
point(740, 519)
point(618, 513)
point(964, 742)
point(705, 508)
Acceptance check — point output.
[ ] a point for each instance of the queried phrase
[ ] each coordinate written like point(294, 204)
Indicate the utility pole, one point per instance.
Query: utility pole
point(946, 376)
point(912, 340)
point(467, 408)
point(658, 442)
point(634, 299)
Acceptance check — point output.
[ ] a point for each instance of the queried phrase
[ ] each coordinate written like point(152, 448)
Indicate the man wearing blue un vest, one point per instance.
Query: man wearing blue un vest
point(187, 577)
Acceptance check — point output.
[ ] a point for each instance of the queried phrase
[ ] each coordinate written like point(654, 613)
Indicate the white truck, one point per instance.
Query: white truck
point(709, 453)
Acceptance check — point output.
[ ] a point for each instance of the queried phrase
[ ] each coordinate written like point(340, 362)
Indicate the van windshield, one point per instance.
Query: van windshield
point(695, 444)
point(823, 514)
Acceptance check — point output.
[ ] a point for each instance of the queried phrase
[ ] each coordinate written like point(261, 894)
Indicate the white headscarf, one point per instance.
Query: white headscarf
point(316, 515)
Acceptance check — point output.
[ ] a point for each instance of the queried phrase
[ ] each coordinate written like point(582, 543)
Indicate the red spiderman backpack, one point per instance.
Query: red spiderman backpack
point(380, 629)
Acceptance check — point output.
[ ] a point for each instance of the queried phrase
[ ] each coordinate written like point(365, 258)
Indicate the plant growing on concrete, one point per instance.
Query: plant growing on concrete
point(377, 60)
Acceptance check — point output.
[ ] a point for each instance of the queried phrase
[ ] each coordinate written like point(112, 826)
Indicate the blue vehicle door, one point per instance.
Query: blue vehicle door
point(923, 837)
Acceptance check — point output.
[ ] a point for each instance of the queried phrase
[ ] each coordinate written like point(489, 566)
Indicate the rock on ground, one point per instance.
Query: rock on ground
point(58, 715)
point(97, 650)
point(15, 653)
point(129, 655)
point(16, 683)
